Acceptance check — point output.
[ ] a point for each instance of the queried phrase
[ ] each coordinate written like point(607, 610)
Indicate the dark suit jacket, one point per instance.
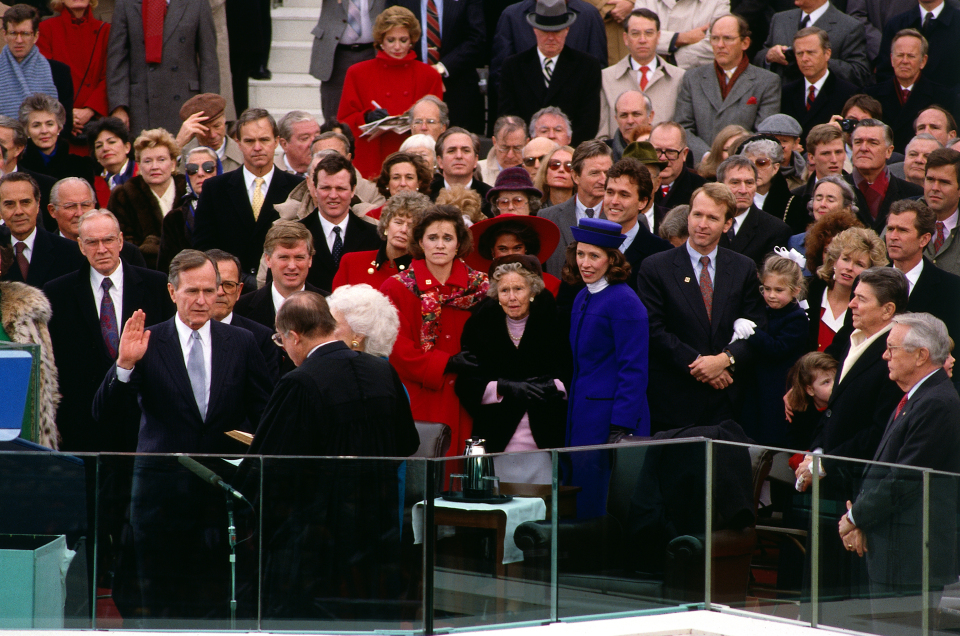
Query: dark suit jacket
point(942, 35)
point(898, 189)
point(829, 102)
point(925, 93)
point(523, 90)
point(264, 338)
point(360, 237)
point(171, 423)
point(644, 244)
point(565, 216)
point(462, 47)
point(860, 405)
point(53, 256)
point(889, 507)
point(82, 358)
point(758, 235)
point(478, 186)
point(937, 292)
point(680, 192)
point(680, 332)
point(224, 218)
point(46, 182)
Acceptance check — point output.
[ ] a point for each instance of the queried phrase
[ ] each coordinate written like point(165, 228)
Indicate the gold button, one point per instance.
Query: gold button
point(428, 282)
point(402, 267)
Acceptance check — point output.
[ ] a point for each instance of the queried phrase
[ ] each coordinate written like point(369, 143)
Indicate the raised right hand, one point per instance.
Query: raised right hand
point(133, 341)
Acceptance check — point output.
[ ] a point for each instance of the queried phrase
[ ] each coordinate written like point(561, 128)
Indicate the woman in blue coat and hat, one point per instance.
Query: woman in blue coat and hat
point(609, 336)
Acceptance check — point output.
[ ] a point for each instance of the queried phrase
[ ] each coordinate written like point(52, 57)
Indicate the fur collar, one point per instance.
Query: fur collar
point(20, 303)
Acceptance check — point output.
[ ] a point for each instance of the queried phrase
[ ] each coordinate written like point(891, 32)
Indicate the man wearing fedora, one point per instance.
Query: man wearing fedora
point(205, 124)
point(553, 74)
point(693, 294)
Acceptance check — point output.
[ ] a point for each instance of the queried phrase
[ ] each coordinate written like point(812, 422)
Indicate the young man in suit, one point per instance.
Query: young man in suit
point(589, 166)
point(826, 153)
point(729, 91)
point(90, 306)
point(227, 295)
point(693, 295)
point(642, 68)
point(923, 431)
point(753, 233)
point(849, 57)
point(820, 93)
point(236, 208)
point(542, 75)
point(628, 190)
point(941, 191)
point(39, 256)
point(875, 187)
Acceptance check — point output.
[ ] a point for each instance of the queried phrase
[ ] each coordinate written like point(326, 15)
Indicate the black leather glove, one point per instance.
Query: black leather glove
point(462, 362)
point(375, 115)
point(548, 386)
point(520, 390)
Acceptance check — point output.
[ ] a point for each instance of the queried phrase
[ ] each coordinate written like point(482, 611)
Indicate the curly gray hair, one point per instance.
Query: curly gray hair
point(370, 313)
point(404, 203)
point(534, 282)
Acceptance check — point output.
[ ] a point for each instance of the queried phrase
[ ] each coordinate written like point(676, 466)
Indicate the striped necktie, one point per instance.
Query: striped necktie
point(433, 32)
point(548, 71)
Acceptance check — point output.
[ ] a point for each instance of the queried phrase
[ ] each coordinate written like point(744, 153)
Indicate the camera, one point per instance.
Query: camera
point(847, 125)
point(791, 56)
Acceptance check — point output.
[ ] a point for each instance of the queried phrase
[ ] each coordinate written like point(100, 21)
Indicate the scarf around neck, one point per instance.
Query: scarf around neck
point(20, 79)
point(432, 301)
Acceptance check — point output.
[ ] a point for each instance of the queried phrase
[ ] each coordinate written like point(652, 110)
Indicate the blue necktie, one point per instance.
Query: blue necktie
point(337, 247)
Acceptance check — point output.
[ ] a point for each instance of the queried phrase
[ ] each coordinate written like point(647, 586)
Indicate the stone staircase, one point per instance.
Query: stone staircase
point(292, 87)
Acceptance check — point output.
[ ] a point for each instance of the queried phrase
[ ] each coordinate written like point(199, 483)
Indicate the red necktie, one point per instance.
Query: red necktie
point(433, 32)
point(812, 95)
point(706, 285)
point(938, 242)
point(154, 12)
point(22, 260)
point(643, 77)
point(664, 190)
point(903, 402)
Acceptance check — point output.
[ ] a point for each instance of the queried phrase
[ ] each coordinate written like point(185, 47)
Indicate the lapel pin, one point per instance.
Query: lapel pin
point(686, 279)
point(428, 282)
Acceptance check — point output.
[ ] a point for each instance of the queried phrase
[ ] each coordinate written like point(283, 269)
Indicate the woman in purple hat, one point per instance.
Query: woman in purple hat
point(514, 193)
point(609, 337)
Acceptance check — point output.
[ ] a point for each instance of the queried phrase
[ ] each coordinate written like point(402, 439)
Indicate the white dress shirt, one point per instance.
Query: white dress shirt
point(116, 291)
point(278, 298)
point(740, 218)
point(249, 179)
point(816, 14)
point(28, 245)
point(936, 12)
point(913, 276)
point(582, 210)
point(543, 62)
point(328, 232)
point(695, 261)
point(817, 86)
point(187, 342)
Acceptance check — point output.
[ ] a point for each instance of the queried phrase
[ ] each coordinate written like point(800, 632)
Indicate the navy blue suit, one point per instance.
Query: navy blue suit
point(264, 338)
point(53, 256)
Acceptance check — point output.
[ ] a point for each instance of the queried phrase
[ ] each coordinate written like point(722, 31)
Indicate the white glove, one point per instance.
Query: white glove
point(743, 329)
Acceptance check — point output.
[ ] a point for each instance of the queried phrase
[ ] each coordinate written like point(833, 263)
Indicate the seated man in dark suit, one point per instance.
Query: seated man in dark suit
point(458, 152)
point(236, 209)
point(939, 21)
point(70, 199)
point(876, 188)
point(335, 230)
point(90, 306)
point(753, 233)
point(923, 431)
point(911, 89)
point(693, 295)
point(628, 190)
point(227, 294)
point(39, 255)
point(819, 94)
point(677, 183)
point(543, 75)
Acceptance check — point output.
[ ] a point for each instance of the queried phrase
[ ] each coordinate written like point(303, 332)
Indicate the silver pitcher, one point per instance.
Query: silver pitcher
point(478, 466)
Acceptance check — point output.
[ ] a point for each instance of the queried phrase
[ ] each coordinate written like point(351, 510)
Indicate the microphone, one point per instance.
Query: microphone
point(209, 476)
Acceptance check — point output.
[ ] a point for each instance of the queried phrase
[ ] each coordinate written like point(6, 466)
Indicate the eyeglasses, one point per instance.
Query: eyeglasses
point(425, 122)
point(556, 164)
point(277, 339)
point(532, 161)
point(78, 205)
point(209, 167)
point(670, 153)
point(508, 149)
point(229, 286)
point(108, 242)
point(890, 348)
point(515, 202)
point(17, 35)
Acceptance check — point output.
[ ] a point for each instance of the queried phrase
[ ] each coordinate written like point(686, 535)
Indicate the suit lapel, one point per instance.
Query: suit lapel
point(686, 279)
point(741, 88)
point(175, 11)
point(711, 87)
point(747, 231)
point(238, 197)
point(132, 294)
point(866, 360)
point(171, 356)
point(536, 87)
point(87, 307)
point(823, 97)
point(561, 72)
point(722, 284)
point(41, 258)
point(220, 341)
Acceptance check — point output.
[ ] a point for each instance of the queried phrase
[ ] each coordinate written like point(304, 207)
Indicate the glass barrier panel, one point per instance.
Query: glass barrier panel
point(46, 540)
point(636, 539)
point(870, 573)
point(483, 572)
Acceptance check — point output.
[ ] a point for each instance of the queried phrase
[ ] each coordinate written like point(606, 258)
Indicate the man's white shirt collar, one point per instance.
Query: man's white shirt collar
point(816, 14)
point(818, 85)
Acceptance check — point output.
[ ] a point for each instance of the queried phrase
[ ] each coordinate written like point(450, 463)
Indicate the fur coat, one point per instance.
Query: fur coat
point(139, 214)
point(25, 312)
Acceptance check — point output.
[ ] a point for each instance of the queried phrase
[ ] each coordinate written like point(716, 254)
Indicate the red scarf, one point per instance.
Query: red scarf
point(725, 86)
point(433, 300)
point(875, 192)
point(154, 12)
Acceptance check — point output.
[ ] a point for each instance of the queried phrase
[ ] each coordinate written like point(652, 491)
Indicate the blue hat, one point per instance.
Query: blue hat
point(599, 232)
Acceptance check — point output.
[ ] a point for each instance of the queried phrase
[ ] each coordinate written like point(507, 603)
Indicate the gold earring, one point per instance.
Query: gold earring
point(354, 344)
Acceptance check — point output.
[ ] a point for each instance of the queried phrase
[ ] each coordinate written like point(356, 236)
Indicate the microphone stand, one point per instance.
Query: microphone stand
point(232, 535)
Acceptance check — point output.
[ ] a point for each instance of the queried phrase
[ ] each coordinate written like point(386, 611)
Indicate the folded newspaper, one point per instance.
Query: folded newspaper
point(395, 123)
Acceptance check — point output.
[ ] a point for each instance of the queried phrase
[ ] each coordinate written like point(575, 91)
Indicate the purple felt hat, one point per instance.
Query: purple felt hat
point(515, 179)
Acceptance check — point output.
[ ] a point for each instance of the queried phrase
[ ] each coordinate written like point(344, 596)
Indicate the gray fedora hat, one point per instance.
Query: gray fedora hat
point(551, 15)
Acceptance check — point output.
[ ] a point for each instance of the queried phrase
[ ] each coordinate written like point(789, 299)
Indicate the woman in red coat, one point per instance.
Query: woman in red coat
point(434, 297)
point(393, 226)
point(389, 84)
point(79, 40)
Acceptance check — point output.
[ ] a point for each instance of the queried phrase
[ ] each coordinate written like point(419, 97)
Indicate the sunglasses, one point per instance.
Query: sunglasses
point(762, 163)
point(556, 163)
point(209, 167)
point(531, 161)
